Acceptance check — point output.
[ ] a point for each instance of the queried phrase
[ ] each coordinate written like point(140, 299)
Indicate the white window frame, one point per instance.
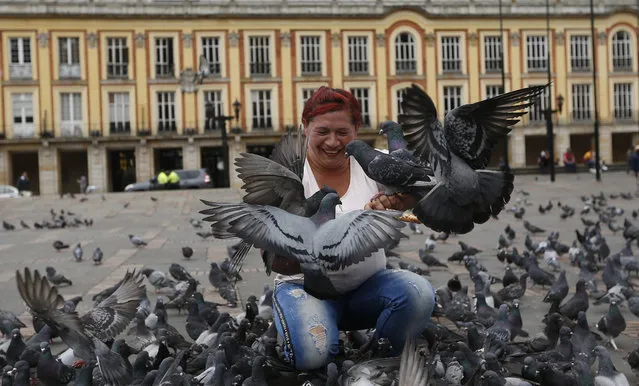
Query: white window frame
point(166, 111)
point(358, 61)
point(119, 112)
point(537, 114)
point(451, 54)
point(452, 98)
point(117, 57)
point(580, 57)
point(72, 47)
point(165, 57)
point(20, 51)
point(581, 94)
point(623, 101)
point(493, 90)
point(363, 95)
point(260, 63)
point(405, 53)
point(492, 53)
point(22, 103)
point(72, 125)
point(215, 97)
point(621, 48)
point(310, 55)
point(399, 97)
point(262, 109)
point(211, 49)
point(537, 53)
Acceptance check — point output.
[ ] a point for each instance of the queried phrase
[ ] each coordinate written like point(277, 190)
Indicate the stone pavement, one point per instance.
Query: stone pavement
point(164, 225)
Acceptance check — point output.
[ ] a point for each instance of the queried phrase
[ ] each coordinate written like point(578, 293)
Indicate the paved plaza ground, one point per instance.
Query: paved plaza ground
point(164, 225)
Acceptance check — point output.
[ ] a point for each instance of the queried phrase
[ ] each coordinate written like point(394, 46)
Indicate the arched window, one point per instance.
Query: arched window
point(405, 56)
point(621, 51)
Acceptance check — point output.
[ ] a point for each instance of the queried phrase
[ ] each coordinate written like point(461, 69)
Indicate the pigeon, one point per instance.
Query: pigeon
point(158, 279)
point(8, 226)
point(578, 302)
point(85, 335)
point(97, 256)
point(415, 229)
point(56, 278)
point(430, 260)
point(559, 290)
point(503, 242)
point(397, 174)
point(59, 245)
point(187, 252)
point(24, 225)
point(458, 151)
point(607, 374)
point(138, 242)
point(154, 199)
point(429, 243)
point(50, 371)
point(321, 243)
point(612, 323)
point(510, 233)
point(179, 273)
point(514, 291)
point(532, 228)
point(276, 182)
point(509, 277)
point(77, 253)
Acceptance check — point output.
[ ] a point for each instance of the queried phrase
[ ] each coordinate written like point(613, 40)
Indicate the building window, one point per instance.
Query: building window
point(307, 93)
point(261, 109)
point(399, 97)
point(20, 65)
point(211, 51)
point(581, 102)
point(260, 61)
point(69, 54)
point(22, 109)
point(537, 109)
point(580, 53)
point(623, 100)
point(71, 114)
point(358, 55)
point(537, 49)
point(117, 58)
point(166, 112)
point(363, 96)
point(164, 61)
point(215, 99)
point(452, 98)
point(311, 57)
point(405, 56)
point(492, 53)
point(451, 56)
point(119, 116)
point(621, 51)
point(493, 91)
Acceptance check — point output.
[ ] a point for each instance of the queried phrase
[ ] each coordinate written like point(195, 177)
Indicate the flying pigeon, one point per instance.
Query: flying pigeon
point(458, 152)
point(97, 256)
point(321, 243)
point(86, 334)
point(135, 240)
point(77, 253)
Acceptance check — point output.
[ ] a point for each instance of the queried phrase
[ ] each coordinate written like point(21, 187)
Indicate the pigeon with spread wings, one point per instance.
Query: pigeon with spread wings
point(458, 152)
point(276, 182)
point(86, 334)
point(320, 243)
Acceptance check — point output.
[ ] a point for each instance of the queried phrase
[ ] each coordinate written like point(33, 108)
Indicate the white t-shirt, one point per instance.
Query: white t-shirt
point(360, 190)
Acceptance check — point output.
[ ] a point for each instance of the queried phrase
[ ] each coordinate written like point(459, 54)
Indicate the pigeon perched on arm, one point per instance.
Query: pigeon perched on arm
point(458, 152)
point(321, 243)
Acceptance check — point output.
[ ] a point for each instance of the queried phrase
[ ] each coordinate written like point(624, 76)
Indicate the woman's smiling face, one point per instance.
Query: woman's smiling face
point(328, 135)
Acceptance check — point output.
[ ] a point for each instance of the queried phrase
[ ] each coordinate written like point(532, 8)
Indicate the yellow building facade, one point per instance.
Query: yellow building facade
point(102, 90)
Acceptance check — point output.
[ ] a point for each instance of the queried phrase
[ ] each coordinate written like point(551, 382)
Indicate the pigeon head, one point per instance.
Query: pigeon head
point(15, 333)
point(330, 201)
point(388, 127)
point(327, 189)
point(355, 148)
point(147, 271)
point(50, 270)
point(130, 236)
point(44, 346)
point(601, 352)
point(565, 332)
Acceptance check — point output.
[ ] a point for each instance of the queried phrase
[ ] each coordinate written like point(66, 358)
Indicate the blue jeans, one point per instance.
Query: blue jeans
point(396, 302)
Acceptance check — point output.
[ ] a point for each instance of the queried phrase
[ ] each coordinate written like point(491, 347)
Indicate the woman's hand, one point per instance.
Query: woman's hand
point(399, 201)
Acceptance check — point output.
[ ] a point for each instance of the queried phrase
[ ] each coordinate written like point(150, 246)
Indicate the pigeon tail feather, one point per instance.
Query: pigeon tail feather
point(112, 366)
point(412, 366)
point(439, 211)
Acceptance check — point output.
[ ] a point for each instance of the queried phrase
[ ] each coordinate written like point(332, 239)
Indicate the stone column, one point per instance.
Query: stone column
point(143, 161)
point(236, 70)
point(518, 148)
point(190, 156)
point(141, 78)
point(45, 76)
point(236, 146)
point(337, 66)
point(190, 119)
point(562, 142)
point(5, 177)
point(287, 63)
point(96, 157)
point(430, 53)
point(94, 120)
point(473, 60)
point(605, 144)
point(49, 174)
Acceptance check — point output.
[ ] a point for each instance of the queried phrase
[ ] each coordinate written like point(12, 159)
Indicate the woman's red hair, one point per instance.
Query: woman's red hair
point(326, 100)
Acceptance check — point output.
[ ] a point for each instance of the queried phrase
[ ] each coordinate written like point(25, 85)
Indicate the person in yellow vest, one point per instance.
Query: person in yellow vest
point(163, 179)
point(174, 180)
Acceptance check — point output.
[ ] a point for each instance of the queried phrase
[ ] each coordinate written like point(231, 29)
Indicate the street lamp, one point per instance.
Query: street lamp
point(550, 131)
point(221, 120)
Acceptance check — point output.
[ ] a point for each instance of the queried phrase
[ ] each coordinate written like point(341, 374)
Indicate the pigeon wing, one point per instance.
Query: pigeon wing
point(422, 130)
point(472, 130)
point(354, 236)
point(265, 227)
point(290, 152)
point(111, 316)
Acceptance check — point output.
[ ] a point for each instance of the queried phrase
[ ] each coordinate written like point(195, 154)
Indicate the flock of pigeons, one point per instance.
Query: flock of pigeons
point(125, 340)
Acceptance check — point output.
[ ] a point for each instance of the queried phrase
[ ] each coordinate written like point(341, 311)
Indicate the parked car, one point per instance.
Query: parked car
point(189, 179)
point(8, 191)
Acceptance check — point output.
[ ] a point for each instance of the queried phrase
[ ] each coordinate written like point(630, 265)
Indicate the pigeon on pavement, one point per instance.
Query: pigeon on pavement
point(612, 323)
point(187, 252)
point(59, 245)
point(458, 152)
point(321, 243)
point(532, 228)
point(607, 373)
point(135, 240)
point(77, 253)
point(56, 278)
point(97, 256)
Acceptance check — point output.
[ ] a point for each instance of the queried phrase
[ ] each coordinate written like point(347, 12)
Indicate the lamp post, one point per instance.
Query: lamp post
point(550, 131)
point(594, 89)
point(503, 79)
point(221, 120)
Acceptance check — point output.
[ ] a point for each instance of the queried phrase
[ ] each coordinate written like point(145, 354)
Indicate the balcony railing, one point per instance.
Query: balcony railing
point(311, 68)
point(167, 127)
point(20, 71)
point(451, 65)
point(215, 69)
point(117, 70)
point(260, 69)
point(120, 127)
point(23, 130)
point(71, 129)
point(622, 64)
point(164, 70)
point(406, 66)
point(70, 71)
point(493, 65)
point(358, 68)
